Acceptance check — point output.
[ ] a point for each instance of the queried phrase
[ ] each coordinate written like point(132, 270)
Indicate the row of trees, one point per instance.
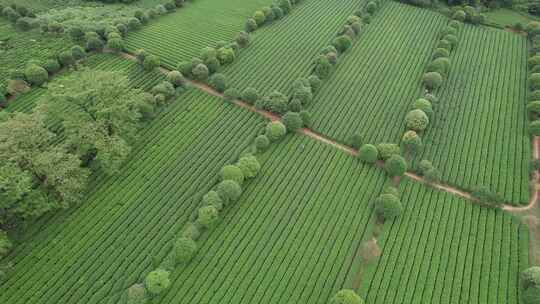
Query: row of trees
point(224, 194)
point(268, 14)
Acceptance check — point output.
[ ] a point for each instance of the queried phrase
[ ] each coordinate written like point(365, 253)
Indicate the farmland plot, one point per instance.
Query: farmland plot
point(443, 249)
point(138, 78)
point(293, 235)
point(181, 35)
point(373, 86)
point(93, 253)
point(283, 52)
point(479, 134)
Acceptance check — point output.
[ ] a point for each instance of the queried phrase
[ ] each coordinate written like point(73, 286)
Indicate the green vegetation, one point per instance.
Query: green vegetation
point(479, 136)
point(442, 249)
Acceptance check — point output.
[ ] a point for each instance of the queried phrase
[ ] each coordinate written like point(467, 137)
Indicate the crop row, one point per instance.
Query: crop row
point(480, 137)
point(181, 35)
point(445, 250)
point(289, 238)
point(94, 253)
point(368, 92)
point(279, 55)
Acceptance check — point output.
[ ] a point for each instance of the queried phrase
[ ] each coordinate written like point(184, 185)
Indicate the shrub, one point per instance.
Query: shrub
point(432, 175)
point(165, 88)
point(534, 128)
point(212, 199)
point(424, 105)
point(459, 15)
point(218, 81)
point(184, 249)
point(136, 294)
point(250, 95)
point(441, 53)
point(116, 45)
point(303, 94)
point(285, 6)
point(78, 52)
point(251, 25)
point(157, 281)
point(411, 141)
point(200, 72)
point(534, 107)
point(452, 39)
point(439, 65)
point(417, 120)
point(306, 118)
point(388, 207)
point(151, 62)
point(386, 150)
point(249, 165)
point(66, 58)
point(486, 196)
point(389, 189)
point(322, 67)
point(52, 66)
point(259, 18)
point(176, 79)
point(371, 7)
point(36, 75)
point(231, 172)
point(231, 94)
point(208, 216)
point(243, 39)
point(444, 44)
point(368, 153)
point(276, 102)
point(353, 19)
point(278, 12)
point(314, 82)
point(432, 80)
point(346, 296)
point(355, 140)
point(534, 95)
point(191, 230)
point(449, 30)
point(292, 121)
point(94, 44)
point(140, 54)
point(229, 191)
point(395, 165)
point(342, 43)
point(424, 166)
point(534, 81)
point(268, 14)
point(262, 142)
point(455, 24)
point(275, 130)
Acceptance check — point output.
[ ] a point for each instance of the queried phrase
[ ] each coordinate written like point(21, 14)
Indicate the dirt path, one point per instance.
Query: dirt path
point(319, 137)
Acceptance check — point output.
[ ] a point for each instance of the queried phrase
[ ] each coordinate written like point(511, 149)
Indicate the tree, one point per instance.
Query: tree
point(157, 281)
point(176, 79)
point(417, 120)
point(314, 82)
point(411, 141)
point(306, 118)
point(66, 58)
point(208, 216)
point(440, 65)
point(440, 53)
point(52, 66)
point(322, 67)
point(78, 53)
point(432, 80)
point(137, 294)
point(534, 128)
point(191, 230)
point(531, 295)
point(530, 277)
point(371, 7)
point(459, 15)
point(342, 43)
point(200, 72)
point(249, 165)
point(232, 172)
point(243, 39)
point(368, 153)
point(275, 130)
point(444, 44)
point(250, 95)
point(94, 43)
point(453, 39)
point(386, 150)
point(231, 94)
point(229, 191)
point(184, 249)
point(151, 62)
point(218, 81)
point(259, 18)
point(285, 6)
point(432, 175)
point(36, 75)
point(226, 55)
point(5, 244)
point(424, 105)
point(251, 25)
point(141, 54)
point(424, 166)
point(534, 81)
point(212, 199)
point(116, 45)
point(346, 296)
point(395, 165)
point(355, 140)
point(388, 207)
point(262, 142)
point(292, 121)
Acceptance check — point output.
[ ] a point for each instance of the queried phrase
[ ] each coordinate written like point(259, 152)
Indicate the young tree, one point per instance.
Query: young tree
point(417, 120)
point(157, 281)
point(208, 216)
point(395, 165)
point(200, 72)
point(176, 79)
point(368, 153)
point(424, 105)
point(243, 39)
point(251, 25)
point(275, 130)
point(218, 81)
point(229, 191)
point(184, 249)
point(137, 294)
point(432, 80)
point(355, 140)
point(292, 121)
point(249, 165)
point(342, 43)
point(262, 142)
point(232, 172)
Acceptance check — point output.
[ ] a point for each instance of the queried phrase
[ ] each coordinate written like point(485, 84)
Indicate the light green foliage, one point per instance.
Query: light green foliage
point(136, 294)
point(368, 153)
point(249, 165)
point(232, 172)
point(157, 281)
point(218, 81)
point(386, 150)
point(424, 105)
point(346, 296)
point(176, 78)
point(292, 121)
point(388, 207)
point(185, 248)
point(262, 142)
point(151, 62)
point(395, 165)
point(212, 199)
point(36, 75)
point(417, 120)
point(432, 80)
point(275, 130)
point(411, 141)
point(229, 191)
point(208, 216)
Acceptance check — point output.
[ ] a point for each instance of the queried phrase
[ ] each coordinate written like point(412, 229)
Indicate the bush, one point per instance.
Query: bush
point(459, 15)
point(116, 45)
point(534, 95)
point(243, 39)
point(268, 14)
point(424, 105)
point(417, 120)
point(52, 66)
point(314, 82)
point(249, 165)
point(36, 75)
point(231, 94)
point(275, 130)
point(140, 54)
point(346, 296)
point(176, 79)
point(386, 150)
point(78, 52)
point(276, 102)
point(94, 44)
point(278, 12)
point(531, 295)
point(184, 249)
point(449, 30)
point(292, 121)
point(251, 25)
point(486, 196)
point(371, 7)
point(218, 81)
point(534, 81)
point(432, 175)
point(432, 80)
point(368, 153)
point(452, 39)
point(200, 72)
point(441, 53)
point(388, 207)
point(455, 24)
point(250, 95)
point(534, 107)
point(231, 172)
point(262, 142)
point(389, 189)
point(259, 18)
point(151, 62)
point(229, 191)
point(225, 55)
point(157, 281)
point(395, 165)
point(440, 65)
point(355, 140)
point(444, 44)
point(66, 58)
point(411, 141)
point(165, 88)
point(285, 6)
point(208, 216)
point(136, 294)
point(424, 166)
point(322, 67)
point(342, 43)
point(212, 199)
point(534, 128)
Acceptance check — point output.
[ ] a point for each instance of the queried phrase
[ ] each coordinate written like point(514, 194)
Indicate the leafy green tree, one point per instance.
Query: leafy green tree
point(212, 199)
point(440, 65)
point(52, 66)
point(424, 105)
point(534, 128)
point(459, 15)
point(176, 79)
point(531, 295)
point(5, 244)
point(322, 67)
point(292, 121)
point(259, 18)
point(250, 95)
point(368, 153)
point(249, 165)
point(200, 72)
point(371, 7)
point(275, 130)
point(229, 191)
point(251, 25)
point(157, 281)
point(346, 296)
point(231, 94)
point(388, 207)
point(208, 216)
point(218, 81)
point(534, 81)
point(141, 54)
point(184, 249)
point(395, 165)
point(424, 166)
point(411, 141)
point(35, 74)
point(530, 277)
point(440, 53)
point(417, 120)
point(262, 142)
point(226, 55)
point(386, 150)
point(342, 43)
point(232, 172)
point(151, 62)
point(116, 45)
point(355, 140)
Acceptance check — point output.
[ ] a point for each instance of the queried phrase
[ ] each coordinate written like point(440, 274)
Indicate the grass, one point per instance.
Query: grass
point(446, 250)
point(181, 35)
point(371, 90)
point(506, 17)
point(292, 236)
point(284, 51)
point(479, 132)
